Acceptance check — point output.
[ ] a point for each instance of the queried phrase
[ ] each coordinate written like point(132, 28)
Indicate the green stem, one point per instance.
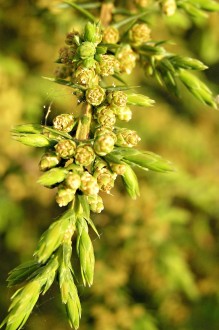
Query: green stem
point(130, 19)
point(81, 10)
point(84, 123)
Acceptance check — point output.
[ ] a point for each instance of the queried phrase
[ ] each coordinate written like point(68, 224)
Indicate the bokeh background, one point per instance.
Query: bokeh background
point(157, 261)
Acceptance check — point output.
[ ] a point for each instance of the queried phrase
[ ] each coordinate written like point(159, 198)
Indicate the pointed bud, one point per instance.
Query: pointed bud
point(23, 302)
point(187, 63)
point(92, 33)
point(110, 35)
point(84, 155)
point(69, 295)
point(85, 252)
point(131, 182)
point(53, 237)
point(28, 128)
point(48, 161)
point(65, 148)
point(95, 95)
point(209, 5)
point(139, 34)
point(33, 140)
point(140, 100)
point(53, 176)
point(147, 160)
point(64, 122)
point(197, 88)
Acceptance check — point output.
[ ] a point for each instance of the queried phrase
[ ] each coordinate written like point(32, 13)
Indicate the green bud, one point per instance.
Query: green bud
point(117, 99)
point(127, 59)
point(119, 169)
point(65, 148)
point(168, 7)
point(64, 195)
point(89, 184)
point(96, 203)
point(104, 143)
point(123, 113)
point(33, 140)
point(28, 128)
point(187, 63)
point(146, 160)
point(139, 34)
point(86, 49)
point(105, 116)
point(208, 5)
point(95, 96)
point(52, 176)
point(193, 10)
point(69, 295)
point(64, 122)
point(50, 269)
point(110, 35)
point(73, 308)
point(19, 274)
point(131, 182)
point(108, 65)
point(53, 236)
point(84, 155)
point(85, 252)
point(92, 33)
point(89, 63)
point(100, 50)
point(140, 100)
point(127, 138)
point(85, 76)
point(73, 181)
point(105, 179)
point(197, 88)
point(48, 160)
point(23, 302)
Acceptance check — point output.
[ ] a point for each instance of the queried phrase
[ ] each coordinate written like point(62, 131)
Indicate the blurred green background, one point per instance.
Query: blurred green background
point(157, 261)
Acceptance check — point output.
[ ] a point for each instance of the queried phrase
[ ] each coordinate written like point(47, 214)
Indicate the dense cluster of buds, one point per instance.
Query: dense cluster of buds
point(78, 156)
